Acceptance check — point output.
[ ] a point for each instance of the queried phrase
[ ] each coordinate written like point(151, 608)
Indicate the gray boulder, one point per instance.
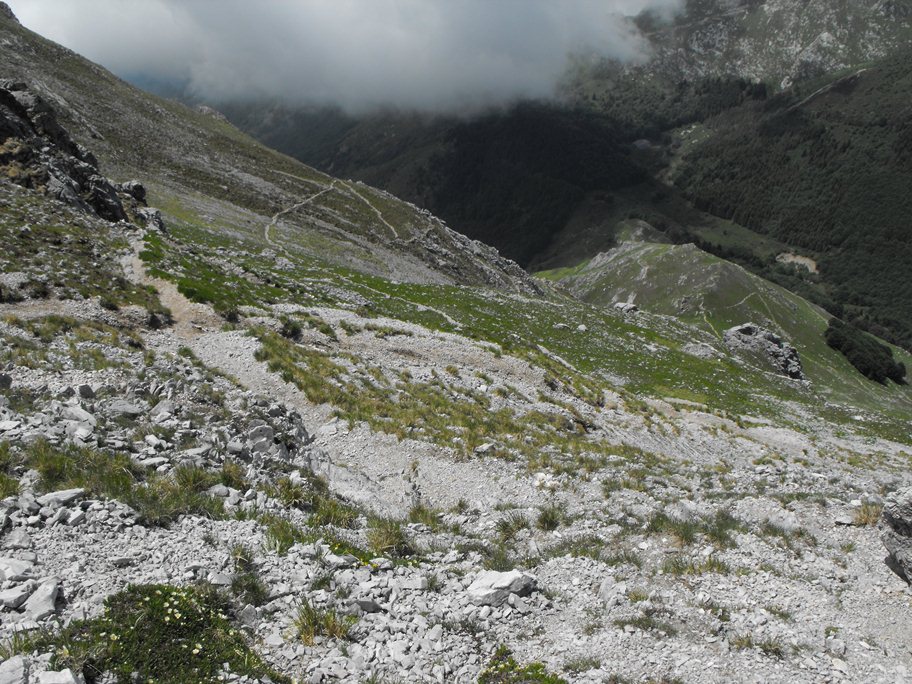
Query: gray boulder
point(17, 539)
point(15, 669)
point(123, 407)
point(79, 415)
point(896, 532)
point(152, 218)
point(493, 588)
point(43, 603)
point(134, 189)
point(63, 497)
point(104, 199)
point(752, 338)
point(16, 596)
point(15, 569)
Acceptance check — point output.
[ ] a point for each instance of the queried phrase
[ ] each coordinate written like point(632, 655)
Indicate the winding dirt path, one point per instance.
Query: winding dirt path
point(290, 209)
point(374, 209)
point(190, 318)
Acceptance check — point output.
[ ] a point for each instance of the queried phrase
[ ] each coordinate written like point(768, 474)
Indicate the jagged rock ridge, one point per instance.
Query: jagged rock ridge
point(37, 152)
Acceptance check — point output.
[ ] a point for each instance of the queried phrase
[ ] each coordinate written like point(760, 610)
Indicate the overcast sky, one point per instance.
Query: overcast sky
point(424, 54)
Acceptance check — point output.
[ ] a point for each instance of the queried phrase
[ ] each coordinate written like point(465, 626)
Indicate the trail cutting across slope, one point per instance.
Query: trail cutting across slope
point(290, 209)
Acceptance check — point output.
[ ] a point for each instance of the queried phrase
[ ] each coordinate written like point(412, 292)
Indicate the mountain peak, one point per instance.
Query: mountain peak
point(7, 12)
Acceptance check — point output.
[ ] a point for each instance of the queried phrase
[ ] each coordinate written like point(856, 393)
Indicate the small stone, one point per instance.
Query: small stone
point(836, 646)
point(840, 666)
point(76, 517)
point(368, 605)
point(414, 583)
point(125, 408)
point(492, 588)
point(14, 569)
point(79, 415)
point(261, 432)
point(220, 579)
point(219, 490)
point(163, 409)
point(15, 597)
point(247, 616)
point(62, 677)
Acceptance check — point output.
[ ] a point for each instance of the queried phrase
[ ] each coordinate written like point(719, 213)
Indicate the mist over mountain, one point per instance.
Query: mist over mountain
point(417, 54)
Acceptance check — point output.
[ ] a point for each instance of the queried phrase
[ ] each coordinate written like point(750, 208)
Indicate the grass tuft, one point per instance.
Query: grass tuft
point(385, 536)
point(311, 622)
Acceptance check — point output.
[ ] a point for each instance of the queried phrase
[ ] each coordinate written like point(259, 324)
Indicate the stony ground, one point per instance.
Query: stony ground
point(710, 549)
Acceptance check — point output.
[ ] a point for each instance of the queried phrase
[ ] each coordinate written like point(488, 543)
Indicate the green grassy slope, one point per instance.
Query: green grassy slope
point(714, 294)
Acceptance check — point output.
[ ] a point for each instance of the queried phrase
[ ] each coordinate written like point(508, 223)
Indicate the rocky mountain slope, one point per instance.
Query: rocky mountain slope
point(226, 455)
point(193, 162)
point(780, 42)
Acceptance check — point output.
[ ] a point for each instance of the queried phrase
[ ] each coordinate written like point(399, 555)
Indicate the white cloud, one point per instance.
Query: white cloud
point(425, 54)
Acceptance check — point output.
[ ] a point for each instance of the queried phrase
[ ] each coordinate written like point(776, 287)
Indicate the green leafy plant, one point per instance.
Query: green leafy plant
point(161, 633)
point(502, 668)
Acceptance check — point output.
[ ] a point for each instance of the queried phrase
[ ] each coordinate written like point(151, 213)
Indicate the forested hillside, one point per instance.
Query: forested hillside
point(826, 168)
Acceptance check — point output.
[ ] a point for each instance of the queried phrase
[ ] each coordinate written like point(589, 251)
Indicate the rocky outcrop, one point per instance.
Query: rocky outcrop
point(896, 532)
point(6, 12)
point(37, 152)
point(752, 338)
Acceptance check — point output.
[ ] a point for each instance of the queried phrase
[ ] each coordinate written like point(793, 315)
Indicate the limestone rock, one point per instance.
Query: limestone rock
point(134, 189)
point(896, 531)
point(16, 596)
point(63, 497)
point(14, 569)
point(15, 669)
point(492, 588)
point(43, 603)
point(63, 677)
point(17, 539)
point(751, 337)
point(125, 408)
